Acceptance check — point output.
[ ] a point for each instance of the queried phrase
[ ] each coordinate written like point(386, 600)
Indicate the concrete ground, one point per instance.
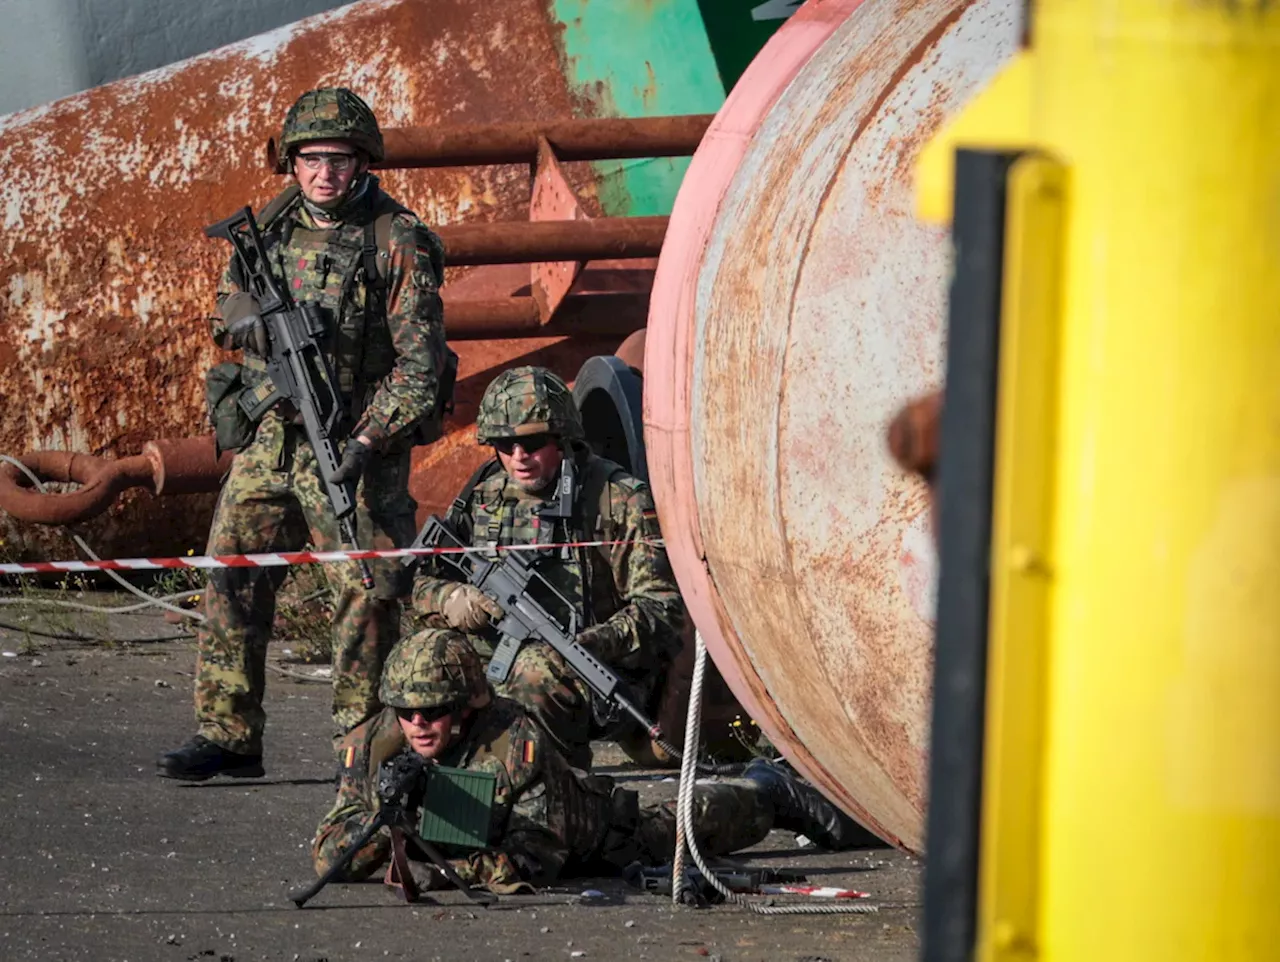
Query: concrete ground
point(103, 861)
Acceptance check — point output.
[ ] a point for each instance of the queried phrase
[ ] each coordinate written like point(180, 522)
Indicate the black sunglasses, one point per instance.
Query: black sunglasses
point(530, 443)
point(428, 714)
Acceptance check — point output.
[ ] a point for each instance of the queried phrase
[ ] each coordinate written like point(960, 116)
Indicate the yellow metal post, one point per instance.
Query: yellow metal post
point(1162, 774)
point(1156, 774)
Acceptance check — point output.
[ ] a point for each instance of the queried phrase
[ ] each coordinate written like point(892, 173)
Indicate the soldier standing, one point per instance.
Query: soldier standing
point(374, 271)
point(548, 821)
point(545, 486)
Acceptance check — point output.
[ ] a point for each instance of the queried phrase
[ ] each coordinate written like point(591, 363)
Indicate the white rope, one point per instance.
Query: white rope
point(688, 769)
point(685, 837)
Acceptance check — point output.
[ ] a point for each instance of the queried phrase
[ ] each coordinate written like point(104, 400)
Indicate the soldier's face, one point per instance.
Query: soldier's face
point(426, 735)
point(325, 169)
point(531, 462)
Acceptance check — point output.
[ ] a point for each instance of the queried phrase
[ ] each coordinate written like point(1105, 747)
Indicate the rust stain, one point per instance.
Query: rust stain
point(106, 278)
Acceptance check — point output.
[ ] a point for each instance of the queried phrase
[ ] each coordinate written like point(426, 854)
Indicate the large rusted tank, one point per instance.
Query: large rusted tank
point(106, 277)
point(798, 304)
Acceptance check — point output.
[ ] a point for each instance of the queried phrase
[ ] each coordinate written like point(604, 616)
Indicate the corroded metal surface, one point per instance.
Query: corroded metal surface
point(798, 304)
point(594, 138)
point(106, 277)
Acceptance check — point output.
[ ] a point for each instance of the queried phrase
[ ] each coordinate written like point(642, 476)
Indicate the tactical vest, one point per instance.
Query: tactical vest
point(515, 521)
point(342, 270)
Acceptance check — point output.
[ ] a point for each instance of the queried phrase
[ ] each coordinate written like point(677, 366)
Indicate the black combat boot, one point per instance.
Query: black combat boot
point(801, 808)
point(200, 759)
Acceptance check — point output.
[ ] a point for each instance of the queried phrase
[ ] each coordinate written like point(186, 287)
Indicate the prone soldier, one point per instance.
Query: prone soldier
point(370, 272)
point(546, 487)
point(547, 821)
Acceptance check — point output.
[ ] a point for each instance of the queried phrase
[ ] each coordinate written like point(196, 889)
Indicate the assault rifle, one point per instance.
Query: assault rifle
point(298, 368)
point(403, 786)
point(533, 609)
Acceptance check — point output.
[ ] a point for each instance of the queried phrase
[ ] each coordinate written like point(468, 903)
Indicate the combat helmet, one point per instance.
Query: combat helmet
point(329, 113)
point(436, 668)
point(525, 401)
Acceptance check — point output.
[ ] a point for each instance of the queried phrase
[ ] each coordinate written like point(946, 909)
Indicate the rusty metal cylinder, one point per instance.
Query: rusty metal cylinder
point(798, 304)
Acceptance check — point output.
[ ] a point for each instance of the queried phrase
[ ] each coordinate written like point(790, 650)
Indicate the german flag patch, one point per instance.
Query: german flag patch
point(349, 757)
point(528, 753)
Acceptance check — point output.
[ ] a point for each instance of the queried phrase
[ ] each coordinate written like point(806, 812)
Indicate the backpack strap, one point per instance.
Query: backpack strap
point(596, 474)
point(375, 240)
point(599, 472)
point(454, 514)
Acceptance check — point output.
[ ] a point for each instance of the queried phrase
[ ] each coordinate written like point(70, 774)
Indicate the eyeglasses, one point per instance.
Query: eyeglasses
point(429, 715)
point(339, 163)
point(531, 443)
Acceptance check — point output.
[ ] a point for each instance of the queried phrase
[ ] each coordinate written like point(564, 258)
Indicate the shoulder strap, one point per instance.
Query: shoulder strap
point(599, 472)
point(482, 473)
point(377, 237)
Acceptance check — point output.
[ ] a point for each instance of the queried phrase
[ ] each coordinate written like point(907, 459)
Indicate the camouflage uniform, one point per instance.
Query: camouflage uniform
point(385, 356)
point(548, 819)
point(626, 594)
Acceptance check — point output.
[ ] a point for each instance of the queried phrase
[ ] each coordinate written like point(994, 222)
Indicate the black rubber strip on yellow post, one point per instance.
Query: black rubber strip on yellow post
point(965, 482)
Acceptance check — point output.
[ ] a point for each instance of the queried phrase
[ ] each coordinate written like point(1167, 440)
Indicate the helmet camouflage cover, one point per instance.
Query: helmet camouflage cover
point(434, 669)
point(524, 401)
point(329, 113)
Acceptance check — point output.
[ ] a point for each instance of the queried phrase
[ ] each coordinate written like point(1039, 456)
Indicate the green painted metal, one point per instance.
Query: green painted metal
point(639, 58)
point(738, 29)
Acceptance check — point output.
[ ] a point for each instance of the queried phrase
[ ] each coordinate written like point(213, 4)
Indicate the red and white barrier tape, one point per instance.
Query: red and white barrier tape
point(280, 559)
point(816, 891)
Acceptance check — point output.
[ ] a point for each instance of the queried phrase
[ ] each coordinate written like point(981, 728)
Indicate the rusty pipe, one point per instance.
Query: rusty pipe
point(521, 242)
point(601, 138)
point(187, 465)
point(183, 466)
point(610, 314)
point(101, 481)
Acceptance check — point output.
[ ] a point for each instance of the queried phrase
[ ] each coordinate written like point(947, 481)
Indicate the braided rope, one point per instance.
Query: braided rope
point(685, 837)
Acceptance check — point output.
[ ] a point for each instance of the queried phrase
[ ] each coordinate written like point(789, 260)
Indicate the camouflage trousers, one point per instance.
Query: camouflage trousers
point(273, 500)
point(729, 814)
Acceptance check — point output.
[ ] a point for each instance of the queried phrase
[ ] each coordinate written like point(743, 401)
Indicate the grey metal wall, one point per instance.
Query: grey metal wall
point(53, 48)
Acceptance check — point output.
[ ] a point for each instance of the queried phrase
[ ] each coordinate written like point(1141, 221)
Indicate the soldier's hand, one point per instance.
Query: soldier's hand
point(469, 609)
point(245, 329)
point(249, 334)
point(354, 457)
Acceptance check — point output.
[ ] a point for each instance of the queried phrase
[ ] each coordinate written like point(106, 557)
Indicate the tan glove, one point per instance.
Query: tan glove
point(469, 609)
